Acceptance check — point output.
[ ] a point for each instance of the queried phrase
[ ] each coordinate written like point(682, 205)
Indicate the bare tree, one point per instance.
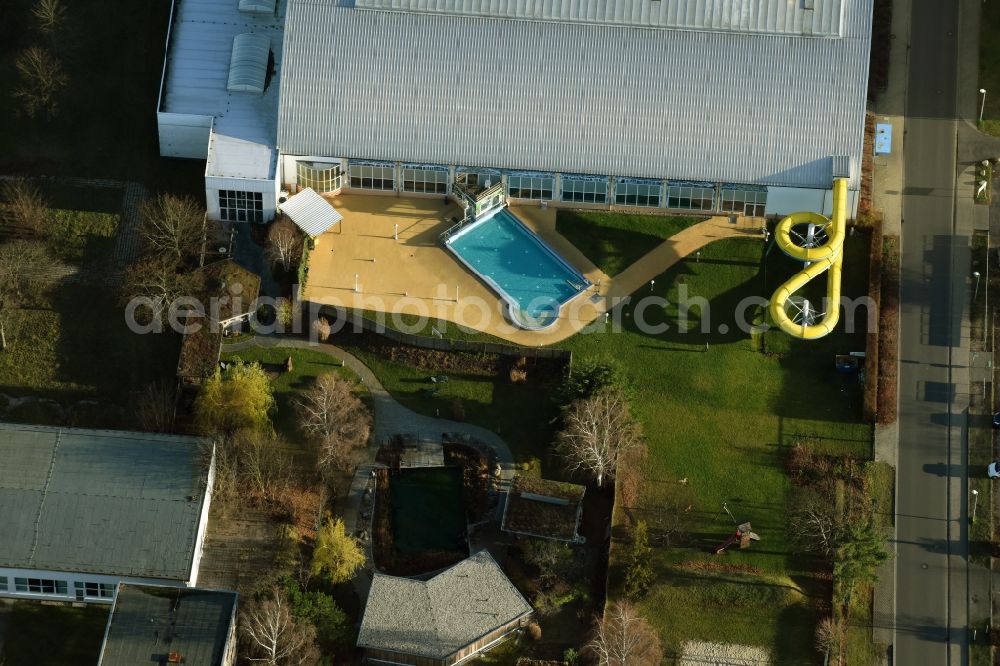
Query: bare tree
point(264, 469)
point(172, 226)
point(24, 206)
point(155, 405)
point(275, 637)
point(334, 416)
point(814, 526)
point(284, 243)
point(50, 15)
point(596, 430)
point(830, 638)
point(157, 282)
point(42, 80)
point(623, 638)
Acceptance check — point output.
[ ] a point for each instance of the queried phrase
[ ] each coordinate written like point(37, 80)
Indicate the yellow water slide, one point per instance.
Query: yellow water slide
point(818, 259)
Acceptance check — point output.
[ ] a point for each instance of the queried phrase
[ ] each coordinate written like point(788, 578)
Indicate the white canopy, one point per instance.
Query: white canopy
point(312, 213)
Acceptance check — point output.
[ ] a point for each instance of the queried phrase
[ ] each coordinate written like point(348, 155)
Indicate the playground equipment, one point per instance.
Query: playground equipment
point(819, 248)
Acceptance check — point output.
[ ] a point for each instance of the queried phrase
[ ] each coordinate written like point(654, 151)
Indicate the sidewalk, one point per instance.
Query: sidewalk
point(887, 191)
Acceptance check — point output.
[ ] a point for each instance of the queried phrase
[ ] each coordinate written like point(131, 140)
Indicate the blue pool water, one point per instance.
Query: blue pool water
point(516, 262)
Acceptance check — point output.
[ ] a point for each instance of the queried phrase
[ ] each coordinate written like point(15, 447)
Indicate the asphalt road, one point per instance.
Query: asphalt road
point(930, 550)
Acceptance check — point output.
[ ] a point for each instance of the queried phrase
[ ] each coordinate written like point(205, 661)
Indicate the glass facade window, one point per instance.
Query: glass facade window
point(481, 177)
point(422, 179)
point(371, 177)
point(637, 193)
point(3, 583)
point(534, 186)
point(322, 177)
point(691, 197)
point(94, 590)
point(40, 585)
point(747, 201)
point(238, 206)
point(584, 190)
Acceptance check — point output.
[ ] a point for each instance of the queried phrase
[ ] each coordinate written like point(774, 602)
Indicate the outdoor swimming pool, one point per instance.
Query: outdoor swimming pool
point(533, 280)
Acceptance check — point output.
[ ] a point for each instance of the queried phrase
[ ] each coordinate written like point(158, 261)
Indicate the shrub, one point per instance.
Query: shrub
point(321, 328)
point(535, 631)
point(587, 379)
point(518, 376)
point(639, 575)
point(571, 657)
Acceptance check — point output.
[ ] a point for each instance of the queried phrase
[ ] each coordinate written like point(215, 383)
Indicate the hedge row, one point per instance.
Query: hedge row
point(888, 339)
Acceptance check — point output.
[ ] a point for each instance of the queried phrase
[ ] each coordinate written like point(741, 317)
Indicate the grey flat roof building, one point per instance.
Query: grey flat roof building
point(98, 501)
point(772, 107)
point(148, 623)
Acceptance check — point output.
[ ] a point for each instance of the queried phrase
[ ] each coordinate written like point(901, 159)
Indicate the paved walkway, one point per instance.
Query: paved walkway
point(385, 256)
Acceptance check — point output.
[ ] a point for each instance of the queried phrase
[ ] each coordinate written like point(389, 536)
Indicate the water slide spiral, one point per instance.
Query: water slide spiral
point(820, 250)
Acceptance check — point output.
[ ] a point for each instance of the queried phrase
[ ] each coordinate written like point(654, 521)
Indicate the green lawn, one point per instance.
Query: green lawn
point(613, 241)
point(44, 635)
point(721, 416)
point(989, 66)
point(520, 413)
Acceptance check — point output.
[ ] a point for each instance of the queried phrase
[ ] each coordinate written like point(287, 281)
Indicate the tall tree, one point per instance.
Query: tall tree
point(235, 399)
point(284, 243)
point(814, 525)
point(337, 555)
point(596, 430)
point(24, 206)
point(862, 549)
point(156, 280)
point(172, 225)
point(50, 15)
point(274, 636)
point(623, 638)
point(332, 415)
point(42, 82)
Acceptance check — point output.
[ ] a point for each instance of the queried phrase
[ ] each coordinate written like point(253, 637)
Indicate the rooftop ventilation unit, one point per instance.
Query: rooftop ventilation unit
point(248, 64)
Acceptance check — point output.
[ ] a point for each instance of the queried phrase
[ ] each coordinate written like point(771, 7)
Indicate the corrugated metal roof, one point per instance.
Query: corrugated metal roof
point(98, 501)
point(435, 618)
point(197, 68)
point(573, 97)
point(148, 621)
point(793, 17)
point(248, 63)
point(312, 213)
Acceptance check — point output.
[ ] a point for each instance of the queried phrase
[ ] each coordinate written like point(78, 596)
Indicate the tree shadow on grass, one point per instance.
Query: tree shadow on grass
point(96, 349)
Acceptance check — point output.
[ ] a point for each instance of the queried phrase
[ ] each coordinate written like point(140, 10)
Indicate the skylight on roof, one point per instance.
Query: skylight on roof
point(257, 6)
point(248, 64)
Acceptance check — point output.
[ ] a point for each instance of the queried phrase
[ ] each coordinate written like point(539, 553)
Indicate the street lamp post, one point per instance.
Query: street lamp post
point(982, 104)
point(975, 294)
point(975, 503)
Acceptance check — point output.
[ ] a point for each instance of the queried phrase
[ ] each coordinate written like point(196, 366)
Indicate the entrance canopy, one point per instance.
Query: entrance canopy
point(312, 213)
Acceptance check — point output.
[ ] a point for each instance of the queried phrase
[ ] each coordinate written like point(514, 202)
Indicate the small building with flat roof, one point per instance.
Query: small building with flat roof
point(169, 625)
point(544, 508)
point(86, 509)
point(458, 614)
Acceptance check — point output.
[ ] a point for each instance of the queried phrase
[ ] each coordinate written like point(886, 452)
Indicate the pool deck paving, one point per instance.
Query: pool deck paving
point(388, 248)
